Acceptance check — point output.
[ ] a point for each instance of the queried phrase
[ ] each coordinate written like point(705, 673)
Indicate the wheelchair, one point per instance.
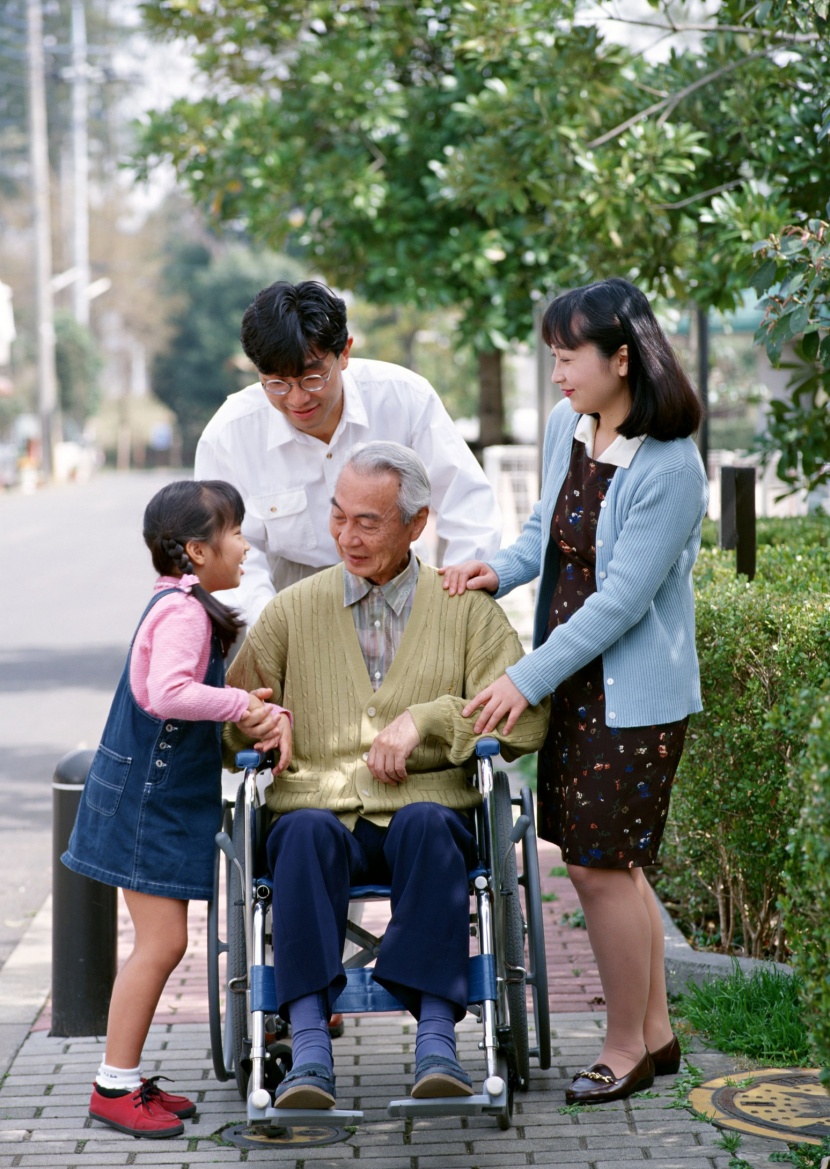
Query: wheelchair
point(510, 959)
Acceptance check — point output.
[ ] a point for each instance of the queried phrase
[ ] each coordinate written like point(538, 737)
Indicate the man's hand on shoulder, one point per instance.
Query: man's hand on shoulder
point(391, 749)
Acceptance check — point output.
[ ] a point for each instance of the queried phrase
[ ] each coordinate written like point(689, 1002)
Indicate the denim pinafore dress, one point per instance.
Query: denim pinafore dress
point(152, 802)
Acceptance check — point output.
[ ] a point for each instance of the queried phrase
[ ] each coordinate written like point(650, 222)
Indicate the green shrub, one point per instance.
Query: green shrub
point(806, 900)
point(760, 644)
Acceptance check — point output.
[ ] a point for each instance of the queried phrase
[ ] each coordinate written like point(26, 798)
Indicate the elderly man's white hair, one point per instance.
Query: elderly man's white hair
point(379, 458)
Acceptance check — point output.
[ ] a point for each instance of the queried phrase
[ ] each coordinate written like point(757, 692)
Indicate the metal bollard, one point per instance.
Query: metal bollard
point(84, 919)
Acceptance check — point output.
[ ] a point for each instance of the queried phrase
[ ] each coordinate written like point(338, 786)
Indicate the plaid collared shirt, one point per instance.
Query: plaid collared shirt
point(380, 615)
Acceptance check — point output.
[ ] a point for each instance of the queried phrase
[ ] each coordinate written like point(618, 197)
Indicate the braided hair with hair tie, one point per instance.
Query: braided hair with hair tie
point(177, 554)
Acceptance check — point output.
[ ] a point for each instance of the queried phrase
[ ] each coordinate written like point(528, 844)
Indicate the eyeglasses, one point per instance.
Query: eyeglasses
point(312, 383)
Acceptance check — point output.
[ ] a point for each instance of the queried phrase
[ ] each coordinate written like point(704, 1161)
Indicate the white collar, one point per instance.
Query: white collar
point(618, 454)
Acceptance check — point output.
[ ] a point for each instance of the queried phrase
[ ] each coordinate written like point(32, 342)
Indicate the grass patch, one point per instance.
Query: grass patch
point(575, 919)
point(759, 1017)
point(558, 871)
point(804, 1156)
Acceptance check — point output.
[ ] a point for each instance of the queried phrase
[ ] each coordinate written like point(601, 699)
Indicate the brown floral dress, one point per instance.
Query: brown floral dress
point(603, 792)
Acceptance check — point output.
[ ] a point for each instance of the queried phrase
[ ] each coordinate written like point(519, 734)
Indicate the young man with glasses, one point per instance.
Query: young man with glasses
point(284, 440)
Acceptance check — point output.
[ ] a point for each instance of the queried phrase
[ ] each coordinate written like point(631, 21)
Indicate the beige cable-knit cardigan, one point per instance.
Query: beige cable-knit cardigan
point(304, 646)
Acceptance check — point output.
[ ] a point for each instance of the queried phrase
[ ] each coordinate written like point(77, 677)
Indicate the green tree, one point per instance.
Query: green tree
point(328, 126)
point(483, 154)
point(78, 366)
point(202, 362)
point(794, 271)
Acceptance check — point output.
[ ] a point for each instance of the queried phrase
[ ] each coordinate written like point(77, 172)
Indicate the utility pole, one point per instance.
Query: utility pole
point(42, 221)
point(80, 166)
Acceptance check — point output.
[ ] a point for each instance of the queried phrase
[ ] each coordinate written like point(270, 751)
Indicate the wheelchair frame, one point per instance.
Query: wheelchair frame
point(511, 957)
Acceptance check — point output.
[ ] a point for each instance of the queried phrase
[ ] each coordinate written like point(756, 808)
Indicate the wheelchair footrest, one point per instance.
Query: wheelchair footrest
point(478, 1105)
point(303, 1117)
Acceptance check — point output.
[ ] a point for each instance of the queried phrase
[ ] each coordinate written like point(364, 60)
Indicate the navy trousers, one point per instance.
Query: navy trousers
point(424, 856)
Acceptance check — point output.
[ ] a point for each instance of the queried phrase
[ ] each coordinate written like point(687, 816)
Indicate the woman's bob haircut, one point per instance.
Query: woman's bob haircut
point(611, 313)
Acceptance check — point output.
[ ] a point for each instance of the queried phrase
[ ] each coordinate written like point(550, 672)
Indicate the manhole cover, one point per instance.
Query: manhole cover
point(265, 1136)
point(781, 1104)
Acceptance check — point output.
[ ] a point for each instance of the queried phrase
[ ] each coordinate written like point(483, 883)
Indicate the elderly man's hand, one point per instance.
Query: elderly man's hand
point(391, 749)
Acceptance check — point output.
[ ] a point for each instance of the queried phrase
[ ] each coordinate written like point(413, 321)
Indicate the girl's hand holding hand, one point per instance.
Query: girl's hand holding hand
point(259, 717)
point(472, 574)
point(500, 698)
point(282, 737)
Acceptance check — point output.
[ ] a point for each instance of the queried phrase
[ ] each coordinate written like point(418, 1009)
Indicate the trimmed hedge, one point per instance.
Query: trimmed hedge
point(763, 646)
point(806, 900)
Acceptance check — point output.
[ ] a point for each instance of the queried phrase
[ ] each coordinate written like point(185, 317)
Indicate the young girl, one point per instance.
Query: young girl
point(613, 539)
point(151, 805)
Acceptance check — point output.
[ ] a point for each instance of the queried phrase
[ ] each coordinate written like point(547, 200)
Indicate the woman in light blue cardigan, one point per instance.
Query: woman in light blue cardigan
point(613, 540)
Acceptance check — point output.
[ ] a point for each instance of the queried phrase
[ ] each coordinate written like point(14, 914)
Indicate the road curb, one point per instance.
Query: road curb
point(685, 965)
point(25, 983)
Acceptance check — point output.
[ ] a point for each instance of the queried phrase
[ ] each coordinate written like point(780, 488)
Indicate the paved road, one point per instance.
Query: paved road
point(75, 577)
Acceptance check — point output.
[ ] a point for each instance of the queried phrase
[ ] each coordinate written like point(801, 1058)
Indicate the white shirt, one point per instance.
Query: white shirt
point(287, 477)
point(620, 452)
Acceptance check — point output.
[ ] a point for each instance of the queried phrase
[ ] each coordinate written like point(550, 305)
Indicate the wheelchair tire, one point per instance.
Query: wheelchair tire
point(513, 940)
point(216, 947)
point(237, 968)
point(538, 969)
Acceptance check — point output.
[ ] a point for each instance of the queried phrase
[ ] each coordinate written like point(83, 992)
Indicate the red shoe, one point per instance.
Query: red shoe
point(336, 1026)
point(179, 1105)
point(135, 1113)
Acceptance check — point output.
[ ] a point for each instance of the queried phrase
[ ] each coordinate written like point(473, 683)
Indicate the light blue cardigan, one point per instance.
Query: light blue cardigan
point(641, 618)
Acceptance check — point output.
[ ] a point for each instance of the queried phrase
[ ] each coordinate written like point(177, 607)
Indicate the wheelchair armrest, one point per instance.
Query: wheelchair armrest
point(246, 759)
point(487, 747)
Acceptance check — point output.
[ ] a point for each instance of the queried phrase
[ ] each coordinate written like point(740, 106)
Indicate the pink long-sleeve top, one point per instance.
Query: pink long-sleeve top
point(170, 657)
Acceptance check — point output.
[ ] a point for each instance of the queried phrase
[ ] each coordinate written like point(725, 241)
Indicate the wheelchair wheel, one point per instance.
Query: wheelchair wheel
point(505, 1116)
point(512, 934)
point(538, 969)
point(237, 969)
point(216, 947)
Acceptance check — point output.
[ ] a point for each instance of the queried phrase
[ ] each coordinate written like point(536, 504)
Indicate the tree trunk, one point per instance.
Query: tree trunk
point(490, 399)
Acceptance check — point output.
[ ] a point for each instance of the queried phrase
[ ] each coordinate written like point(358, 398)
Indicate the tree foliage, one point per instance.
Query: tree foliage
point(78, 367)
point(794, 271)
point(484, 154)
point(200, 365)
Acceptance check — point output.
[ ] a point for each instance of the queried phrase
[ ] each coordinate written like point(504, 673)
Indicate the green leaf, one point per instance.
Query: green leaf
point(764, 277)
point(809, 345)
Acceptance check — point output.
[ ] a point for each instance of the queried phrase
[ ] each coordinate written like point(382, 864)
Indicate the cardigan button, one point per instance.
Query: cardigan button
point(610, 681)
point(371, 712)
point(599, 543)
point(612, 714)
point(601, 575)
point(365, 756)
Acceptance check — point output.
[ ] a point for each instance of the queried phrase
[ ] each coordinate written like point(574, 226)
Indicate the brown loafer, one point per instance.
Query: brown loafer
point(667, 1058)
point(598, 1085)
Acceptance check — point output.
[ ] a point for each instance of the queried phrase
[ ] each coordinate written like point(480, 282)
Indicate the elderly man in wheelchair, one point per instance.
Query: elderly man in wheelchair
point(377, 661)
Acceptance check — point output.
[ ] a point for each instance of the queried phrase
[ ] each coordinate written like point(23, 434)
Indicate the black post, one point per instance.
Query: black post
point(84, 919)
point(703, 383)
point(737, 516)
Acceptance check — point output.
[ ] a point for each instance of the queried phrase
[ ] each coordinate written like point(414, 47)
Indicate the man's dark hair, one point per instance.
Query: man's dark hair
point(288, 326)
point(614, 312)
